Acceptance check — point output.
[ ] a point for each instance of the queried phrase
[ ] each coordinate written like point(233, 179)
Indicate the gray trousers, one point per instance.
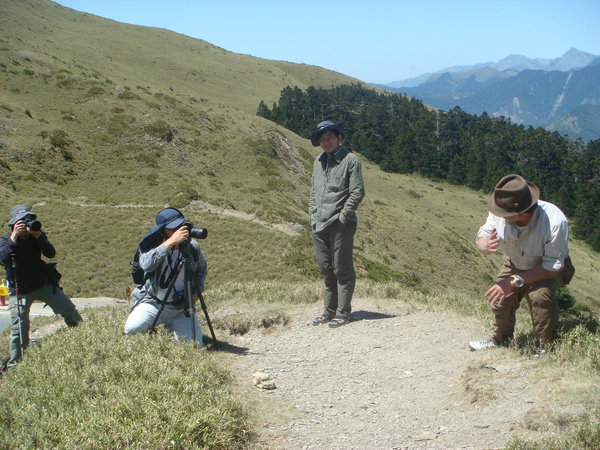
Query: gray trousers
point(142, 317)
point(55, 298)
point(333, 248)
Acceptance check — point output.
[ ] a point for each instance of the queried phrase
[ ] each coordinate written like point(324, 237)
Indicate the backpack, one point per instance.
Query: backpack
point(137, 273)
point(148, 243)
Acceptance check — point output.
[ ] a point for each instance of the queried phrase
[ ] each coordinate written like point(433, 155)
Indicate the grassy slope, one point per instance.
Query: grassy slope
point(116, 89)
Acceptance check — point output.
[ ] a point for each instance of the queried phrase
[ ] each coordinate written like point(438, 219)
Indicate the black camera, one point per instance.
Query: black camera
point(197, 233)
point(178, 298)
point(32, 224)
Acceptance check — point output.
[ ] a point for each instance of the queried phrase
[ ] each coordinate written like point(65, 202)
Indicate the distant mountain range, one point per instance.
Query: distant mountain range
point(561, 94)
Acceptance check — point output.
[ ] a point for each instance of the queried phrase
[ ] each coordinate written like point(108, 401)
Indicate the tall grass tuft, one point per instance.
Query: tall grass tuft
point(581, 347)
point(91, 387)
point(586, 436)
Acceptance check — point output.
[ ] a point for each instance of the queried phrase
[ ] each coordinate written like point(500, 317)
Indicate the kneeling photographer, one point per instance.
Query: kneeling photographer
point(30, 278)
point(167, 296)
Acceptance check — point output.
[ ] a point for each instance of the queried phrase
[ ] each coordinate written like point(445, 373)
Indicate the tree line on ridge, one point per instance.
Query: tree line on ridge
point(403, 135)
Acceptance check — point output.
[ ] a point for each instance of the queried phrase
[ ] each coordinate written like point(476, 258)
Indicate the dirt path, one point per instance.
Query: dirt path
point(394, 378)
point(292, 229)
point(397, 377)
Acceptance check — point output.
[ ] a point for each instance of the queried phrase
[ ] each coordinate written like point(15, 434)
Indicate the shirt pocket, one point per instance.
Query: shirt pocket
point(337, 183)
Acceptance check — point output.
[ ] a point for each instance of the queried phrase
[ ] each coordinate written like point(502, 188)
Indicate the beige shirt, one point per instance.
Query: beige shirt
point(544, 241)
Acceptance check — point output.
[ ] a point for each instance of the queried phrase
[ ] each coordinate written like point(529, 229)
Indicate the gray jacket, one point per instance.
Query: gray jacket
point(153, 260)
point(337, 189)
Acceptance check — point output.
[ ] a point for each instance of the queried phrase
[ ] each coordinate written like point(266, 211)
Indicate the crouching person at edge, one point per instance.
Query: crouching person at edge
point(26, 243)
point(533, 235)
point(337, 190)
point(160, 265)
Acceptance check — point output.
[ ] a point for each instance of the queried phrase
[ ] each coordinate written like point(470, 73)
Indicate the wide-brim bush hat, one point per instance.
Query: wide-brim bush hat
point(19, 212)
point(170, 218)
point(513, 195)
point(322, 128)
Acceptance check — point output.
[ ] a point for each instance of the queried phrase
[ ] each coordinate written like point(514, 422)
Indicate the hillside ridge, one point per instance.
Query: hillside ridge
point(167, 119)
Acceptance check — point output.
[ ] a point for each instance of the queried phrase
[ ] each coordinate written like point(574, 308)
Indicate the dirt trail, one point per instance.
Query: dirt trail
point(394, 378)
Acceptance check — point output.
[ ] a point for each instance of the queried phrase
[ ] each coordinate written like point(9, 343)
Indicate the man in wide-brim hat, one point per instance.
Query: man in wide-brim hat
point(337, 190)
point(533, 236)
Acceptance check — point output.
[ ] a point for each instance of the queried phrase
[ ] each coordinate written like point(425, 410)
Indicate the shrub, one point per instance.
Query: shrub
point(59, 139)
point(127, 94)
point(184, 197)
point(160, 129)
point(94, 91)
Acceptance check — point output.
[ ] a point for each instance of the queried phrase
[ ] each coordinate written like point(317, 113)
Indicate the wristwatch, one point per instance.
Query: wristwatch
point(518, 281)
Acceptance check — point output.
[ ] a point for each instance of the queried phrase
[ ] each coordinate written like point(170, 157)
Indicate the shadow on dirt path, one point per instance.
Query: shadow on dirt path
point(396, 377)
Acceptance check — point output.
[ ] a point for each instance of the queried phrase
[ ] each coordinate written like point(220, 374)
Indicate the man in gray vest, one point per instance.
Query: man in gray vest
point(337, 190)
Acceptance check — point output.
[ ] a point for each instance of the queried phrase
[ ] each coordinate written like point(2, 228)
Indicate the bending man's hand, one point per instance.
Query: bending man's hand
point(499, 291)
point(487, 245)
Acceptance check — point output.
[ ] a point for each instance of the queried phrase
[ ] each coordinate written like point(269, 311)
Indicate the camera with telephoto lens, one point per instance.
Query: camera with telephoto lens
point(32, 224)
point(197, 233)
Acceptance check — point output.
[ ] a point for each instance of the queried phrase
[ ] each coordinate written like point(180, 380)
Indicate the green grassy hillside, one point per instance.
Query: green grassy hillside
point(102, 124)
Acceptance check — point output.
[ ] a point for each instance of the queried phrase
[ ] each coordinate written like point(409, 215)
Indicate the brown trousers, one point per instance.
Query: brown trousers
point(542, 304)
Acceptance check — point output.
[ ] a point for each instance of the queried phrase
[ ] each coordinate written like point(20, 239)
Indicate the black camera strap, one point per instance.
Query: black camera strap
point(169, 271)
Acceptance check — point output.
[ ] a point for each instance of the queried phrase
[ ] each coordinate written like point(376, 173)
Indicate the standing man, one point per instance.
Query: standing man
point(23, 248)
point(337, 190)
point(533, 235)
point(161, 300)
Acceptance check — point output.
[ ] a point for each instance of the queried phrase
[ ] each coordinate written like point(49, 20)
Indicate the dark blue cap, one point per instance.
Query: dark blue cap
point(169, 218)
point(322, 128)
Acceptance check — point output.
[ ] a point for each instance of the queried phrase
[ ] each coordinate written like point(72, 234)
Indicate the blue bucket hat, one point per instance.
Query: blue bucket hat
point(19, 212)
point(322, 128)
point(170, 218)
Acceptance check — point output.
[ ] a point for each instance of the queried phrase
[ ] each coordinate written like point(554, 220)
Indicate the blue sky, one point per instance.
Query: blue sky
point(376, 41)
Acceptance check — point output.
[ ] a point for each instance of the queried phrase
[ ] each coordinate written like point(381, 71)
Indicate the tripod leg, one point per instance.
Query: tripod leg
point(201, 298)
point(19, 311)
point(187, 295)
point(210, 327)
point(191, 309)
point(19, 306)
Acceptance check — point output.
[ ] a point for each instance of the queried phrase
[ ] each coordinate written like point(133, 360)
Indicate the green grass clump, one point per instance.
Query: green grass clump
point(586, 436)
point(580, 346)
point(91, 387)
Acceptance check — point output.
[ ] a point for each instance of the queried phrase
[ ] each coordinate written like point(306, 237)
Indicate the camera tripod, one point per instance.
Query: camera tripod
point(19, 303)
point(185, 263)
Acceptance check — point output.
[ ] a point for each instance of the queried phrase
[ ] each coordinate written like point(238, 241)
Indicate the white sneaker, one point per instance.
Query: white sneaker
point(481, 345)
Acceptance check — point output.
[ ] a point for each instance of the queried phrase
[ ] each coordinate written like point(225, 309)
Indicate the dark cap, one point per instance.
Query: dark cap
point(167, 218)
point(322, 128)
point(19, 212)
